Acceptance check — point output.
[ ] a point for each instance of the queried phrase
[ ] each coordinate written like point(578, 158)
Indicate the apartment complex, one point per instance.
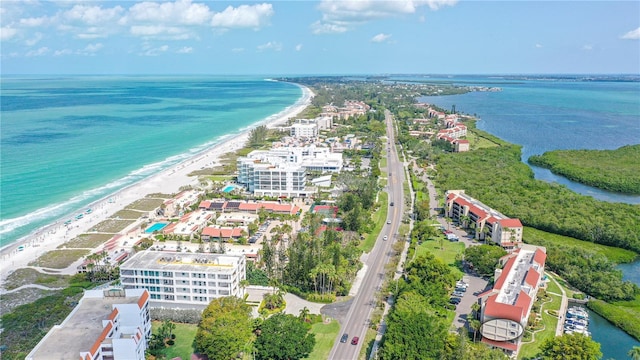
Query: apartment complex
point(109, 324)
point(506, 308)
point(488, 223)
point(192, 279)
point(283, 171)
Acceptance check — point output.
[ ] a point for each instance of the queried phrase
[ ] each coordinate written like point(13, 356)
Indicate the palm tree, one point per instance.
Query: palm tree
point(634, 353)
point(475, 326)
point(475, 307)
point(304, 314)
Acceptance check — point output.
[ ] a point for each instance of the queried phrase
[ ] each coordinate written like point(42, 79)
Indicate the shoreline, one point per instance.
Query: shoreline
point(167, 181)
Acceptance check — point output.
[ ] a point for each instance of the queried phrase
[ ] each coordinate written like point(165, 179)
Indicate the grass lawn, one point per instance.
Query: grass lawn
point(367, 345)
point(325, 336)
point(59, 259)
point(478, 142)
point(550, 323)
point(379, 218)
point(112, 226)
point(383, 161)
point(185, 333)
point(128, 214)
point(551, 285)
point(447, 253)
point(538, 237)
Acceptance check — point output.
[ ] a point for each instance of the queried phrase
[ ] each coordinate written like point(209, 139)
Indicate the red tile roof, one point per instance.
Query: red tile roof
point(500, 344)
point(103, 335)
point(249, 206)
point(533, 277)
point(511, 223)
point(204, 204)
point(143, 299)
point(523, 302)
point(113, 314)
point(497, 310)
point(222, 232)
point(507, 268)
point(539, 256)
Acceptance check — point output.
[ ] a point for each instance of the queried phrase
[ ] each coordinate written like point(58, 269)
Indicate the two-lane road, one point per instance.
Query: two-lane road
point(357, 319)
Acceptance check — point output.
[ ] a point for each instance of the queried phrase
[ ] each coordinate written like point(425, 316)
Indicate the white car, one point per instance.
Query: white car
point(385, 238)
point(388, 222)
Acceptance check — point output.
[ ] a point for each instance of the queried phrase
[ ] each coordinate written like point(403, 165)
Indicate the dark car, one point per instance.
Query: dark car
point(392, 203)
point(344, 338)
point(454, 301)
point(355, 340)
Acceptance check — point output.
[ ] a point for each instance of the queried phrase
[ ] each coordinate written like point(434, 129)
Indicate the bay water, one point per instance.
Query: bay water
point(68, 141)
point(544, 113)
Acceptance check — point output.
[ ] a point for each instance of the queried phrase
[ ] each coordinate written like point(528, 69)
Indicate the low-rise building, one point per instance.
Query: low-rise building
point(488, 223)
point(506, 308)
point(111, 324)
point(179, 279)
point(237, 219)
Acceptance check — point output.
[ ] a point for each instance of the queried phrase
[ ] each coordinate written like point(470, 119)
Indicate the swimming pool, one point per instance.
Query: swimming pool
point(155, 227)
point(228, 188)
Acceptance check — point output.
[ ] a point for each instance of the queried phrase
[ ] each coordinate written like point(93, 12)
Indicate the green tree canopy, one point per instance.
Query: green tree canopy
point(225, 328)
point(484, 258)
point(570, 347)
point(284, 337)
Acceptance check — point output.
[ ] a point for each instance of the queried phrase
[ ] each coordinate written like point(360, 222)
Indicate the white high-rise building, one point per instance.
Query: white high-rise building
point(175, 279)
point(111, 324)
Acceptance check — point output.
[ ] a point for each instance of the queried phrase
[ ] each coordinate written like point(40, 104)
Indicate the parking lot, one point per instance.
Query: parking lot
point(476, 285)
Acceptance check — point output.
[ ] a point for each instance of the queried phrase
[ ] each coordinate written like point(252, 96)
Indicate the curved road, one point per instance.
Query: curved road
point(357, 320)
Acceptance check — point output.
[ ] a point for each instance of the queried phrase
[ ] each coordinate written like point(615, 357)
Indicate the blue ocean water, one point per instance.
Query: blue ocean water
point(550, 113)
point(68, 141)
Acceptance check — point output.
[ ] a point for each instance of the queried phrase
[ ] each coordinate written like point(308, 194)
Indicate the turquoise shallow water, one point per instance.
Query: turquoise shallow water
point(68, 141)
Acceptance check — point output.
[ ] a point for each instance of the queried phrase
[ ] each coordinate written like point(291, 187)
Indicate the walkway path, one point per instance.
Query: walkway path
point(563, 307)
point(35, 286)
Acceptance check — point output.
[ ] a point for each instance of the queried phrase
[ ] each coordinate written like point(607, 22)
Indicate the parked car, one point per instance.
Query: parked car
point(461, 289)
point(344, 338)
point(458, 293)
point(355, 340)
point(454, 301)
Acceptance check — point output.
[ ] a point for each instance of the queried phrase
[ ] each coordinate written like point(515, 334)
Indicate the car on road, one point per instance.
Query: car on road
point(385, 238)
point(355, 340)
point(344, 338)
point(388, 222)
point(458, 293)
point(391, 203)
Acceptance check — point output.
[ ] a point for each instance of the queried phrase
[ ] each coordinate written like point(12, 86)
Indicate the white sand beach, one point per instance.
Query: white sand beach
point(29, 248)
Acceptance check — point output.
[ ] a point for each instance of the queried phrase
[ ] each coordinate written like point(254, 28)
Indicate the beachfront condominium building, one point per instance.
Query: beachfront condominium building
point(488, 223)
point(184, 279)
point(283, 171)
point(505, 309)
point(307, 130)
point(111, 324)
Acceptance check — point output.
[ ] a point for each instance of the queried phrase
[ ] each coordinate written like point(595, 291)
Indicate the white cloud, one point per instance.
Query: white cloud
point(340, 14)
point(160, 31)
point(244, 16)
point(93, 15)
point(179, 12)
point(7, 33)
point(34, 40)
point(271, 45)
point(39, 52)
point(538, 46)
point(632, 35)
point(298, 47)
point(185, 50)
point(237, 50)
point(380, 38)
point(34, 22)
point(587, 47)
point(328, 28)
point(62, 52)
point(148, 50)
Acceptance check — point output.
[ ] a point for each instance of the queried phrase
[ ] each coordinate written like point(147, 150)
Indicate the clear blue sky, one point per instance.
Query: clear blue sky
point(319, 37)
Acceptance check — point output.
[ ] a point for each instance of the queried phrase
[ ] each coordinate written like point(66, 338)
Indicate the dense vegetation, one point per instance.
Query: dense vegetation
point(571, 347)
point(587, 269)
point(484, 258)
point(623, 314)
point(283, 337)
point(500, 180)
point(613, 170)
point(417, 325)
point(225, 329)
point(27, 324)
